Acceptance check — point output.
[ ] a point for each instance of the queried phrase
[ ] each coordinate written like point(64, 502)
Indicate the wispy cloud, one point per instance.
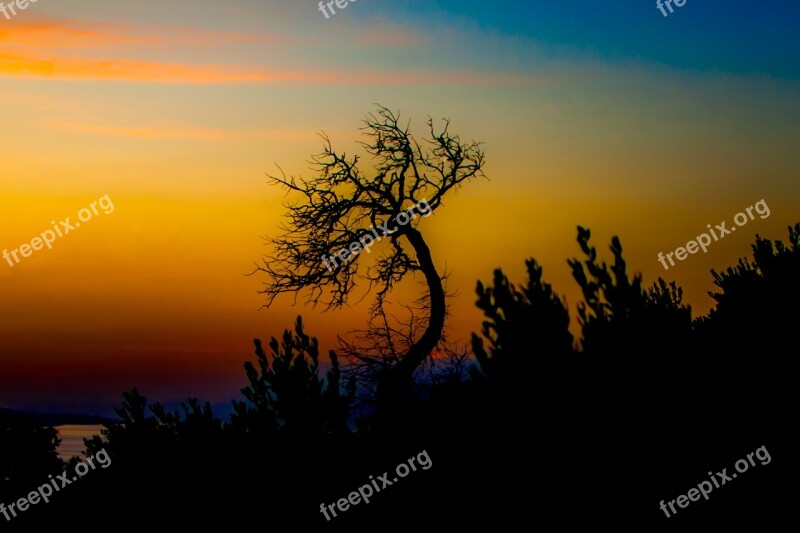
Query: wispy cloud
point(181, 131)
point(33, 66)
point(98, 35)
point(84, 50)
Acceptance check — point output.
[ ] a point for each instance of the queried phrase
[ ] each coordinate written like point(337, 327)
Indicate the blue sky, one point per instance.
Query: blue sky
point(735, 36)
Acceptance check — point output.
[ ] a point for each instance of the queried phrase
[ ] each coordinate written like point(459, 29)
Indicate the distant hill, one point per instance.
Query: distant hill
point(222, 410)
point(57, 419)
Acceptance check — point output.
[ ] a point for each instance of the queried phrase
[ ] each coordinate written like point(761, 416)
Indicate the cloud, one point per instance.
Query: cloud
point(178, 131)
point(110, 51)
point(33, 66)
point(100, 35)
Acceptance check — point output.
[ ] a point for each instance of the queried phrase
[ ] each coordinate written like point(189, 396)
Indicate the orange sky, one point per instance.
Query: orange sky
point(178, 117)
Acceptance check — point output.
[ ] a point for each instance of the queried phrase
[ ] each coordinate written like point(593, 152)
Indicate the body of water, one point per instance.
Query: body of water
point(72, 439)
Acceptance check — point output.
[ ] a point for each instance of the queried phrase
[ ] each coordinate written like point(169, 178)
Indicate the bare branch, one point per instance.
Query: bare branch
point(341, 205)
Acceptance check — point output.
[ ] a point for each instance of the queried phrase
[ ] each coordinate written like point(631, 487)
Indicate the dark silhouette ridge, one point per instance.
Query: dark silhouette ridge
point(543, 429)
point(59, 419)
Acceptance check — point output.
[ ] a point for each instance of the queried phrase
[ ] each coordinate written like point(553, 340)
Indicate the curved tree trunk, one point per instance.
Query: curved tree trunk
point(433, 333)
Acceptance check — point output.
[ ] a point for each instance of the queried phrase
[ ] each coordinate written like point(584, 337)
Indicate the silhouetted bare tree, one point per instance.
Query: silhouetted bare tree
point(341, 206)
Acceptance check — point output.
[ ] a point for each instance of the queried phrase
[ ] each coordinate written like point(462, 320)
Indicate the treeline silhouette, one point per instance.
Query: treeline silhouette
point(542, 429)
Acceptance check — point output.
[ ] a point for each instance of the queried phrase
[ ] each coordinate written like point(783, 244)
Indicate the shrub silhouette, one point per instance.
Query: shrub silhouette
point(27, 453)
point(618, 317)
point(527, 329)
point(136, 433)
point(751, 300)
point(290, 392)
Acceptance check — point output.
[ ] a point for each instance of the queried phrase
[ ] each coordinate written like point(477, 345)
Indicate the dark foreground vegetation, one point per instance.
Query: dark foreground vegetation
point(538, 430)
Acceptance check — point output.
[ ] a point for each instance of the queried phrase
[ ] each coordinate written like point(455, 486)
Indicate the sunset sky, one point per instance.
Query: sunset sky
point(603, 114)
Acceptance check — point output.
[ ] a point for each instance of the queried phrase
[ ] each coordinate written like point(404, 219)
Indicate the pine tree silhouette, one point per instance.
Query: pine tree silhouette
point(289, 391)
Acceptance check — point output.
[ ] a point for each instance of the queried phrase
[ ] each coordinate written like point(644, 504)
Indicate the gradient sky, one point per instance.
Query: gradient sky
point(604, 114)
